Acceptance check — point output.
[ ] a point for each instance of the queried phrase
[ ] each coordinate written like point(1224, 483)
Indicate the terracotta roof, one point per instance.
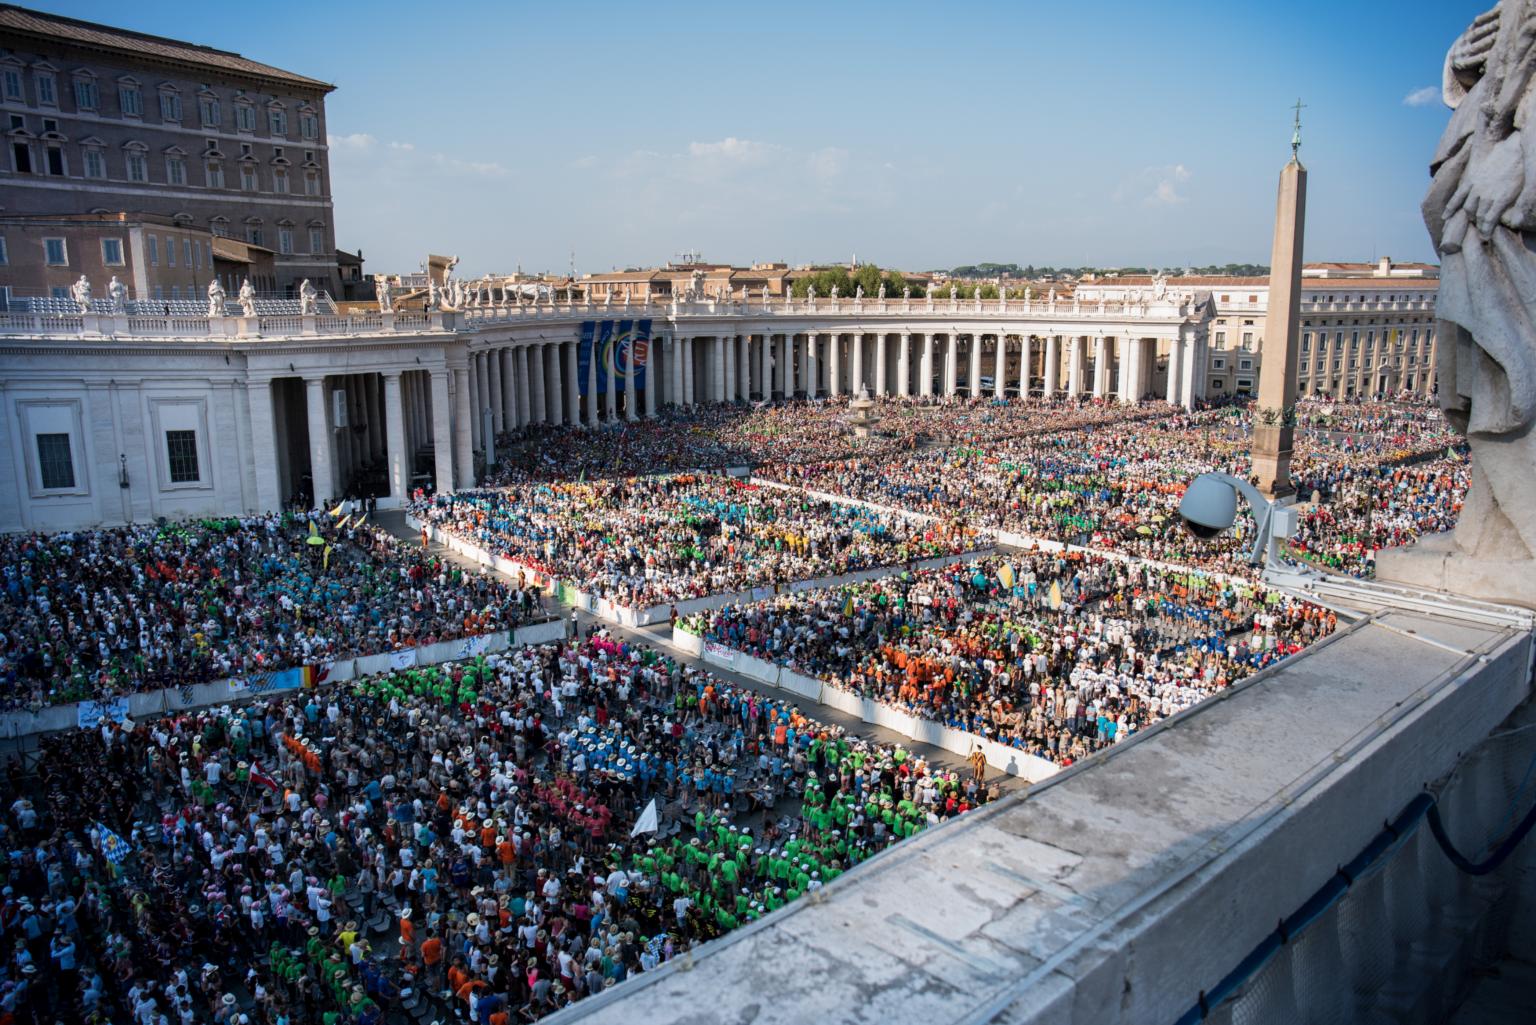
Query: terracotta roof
point(1355, 284)
point(1202, 280)
point(235, 251)
point(53, 27)
point(1335, 265)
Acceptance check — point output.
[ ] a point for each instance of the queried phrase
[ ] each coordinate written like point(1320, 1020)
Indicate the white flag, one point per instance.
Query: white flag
point(646, 823)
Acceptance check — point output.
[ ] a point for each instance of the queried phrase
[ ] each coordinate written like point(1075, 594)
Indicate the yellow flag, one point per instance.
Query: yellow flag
point(342, 525)
point(1005, 575)
point(1055, 595)
point(325, 558)
point(314, 531)
point(338, 510)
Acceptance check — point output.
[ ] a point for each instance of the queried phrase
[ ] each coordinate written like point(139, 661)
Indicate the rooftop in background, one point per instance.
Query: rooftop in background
point(1382, 268)
point(143, 47)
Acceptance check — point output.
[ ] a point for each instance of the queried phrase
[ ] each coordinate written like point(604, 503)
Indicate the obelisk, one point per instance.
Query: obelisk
point(1274, 420)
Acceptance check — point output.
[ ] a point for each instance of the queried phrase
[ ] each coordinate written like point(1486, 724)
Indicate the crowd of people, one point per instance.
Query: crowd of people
point(1058, 653)
point(1107, 487)
point(478, 836)
point(647, 541)
point(91, 614)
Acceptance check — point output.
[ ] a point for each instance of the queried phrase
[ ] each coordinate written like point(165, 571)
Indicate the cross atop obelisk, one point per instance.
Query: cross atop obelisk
point(1274, 418)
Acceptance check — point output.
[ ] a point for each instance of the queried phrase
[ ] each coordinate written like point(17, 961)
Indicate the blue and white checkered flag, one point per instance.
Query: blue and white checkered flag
point(113, 847)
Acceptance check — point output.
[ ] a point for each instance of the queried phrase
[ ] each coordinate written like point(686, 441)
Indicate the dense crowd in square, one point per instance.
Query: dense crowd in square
point(459, 835)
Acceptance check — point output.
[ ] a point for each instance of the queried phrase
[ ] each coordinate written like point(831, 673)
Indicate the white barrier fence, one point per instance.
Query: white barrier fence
point(568, 594)
point(1009, 760)
point(17, 726)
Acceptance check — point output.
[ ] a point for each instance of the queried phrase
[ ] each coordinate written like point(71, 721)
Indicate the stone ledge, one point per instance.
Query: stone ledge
point(1118, 890)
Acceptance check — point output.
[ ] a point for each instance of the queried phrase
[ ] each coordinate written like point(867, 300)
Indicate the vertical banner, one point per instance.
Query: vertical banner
point(584, 354)
point(620, 347)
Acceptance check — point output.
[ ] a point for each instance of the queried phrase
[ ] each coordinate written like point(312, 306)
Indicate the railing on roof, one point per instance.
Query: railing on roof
point(277, 317)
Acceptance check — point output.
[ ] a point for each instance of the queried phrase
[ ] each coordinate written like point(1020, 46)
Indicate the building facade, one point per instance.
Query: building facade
point(109, 417)
point(100, 119)
point(1367, 328)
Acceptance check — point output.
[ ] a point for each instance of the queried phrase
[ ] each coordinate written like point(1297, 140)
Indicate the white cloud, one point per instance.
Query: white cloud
point(829, 162)
point(484, 168)
point(357, 140)
point(407, 146)
point(1422, 97)
point(1154, 186)
point(732, 148)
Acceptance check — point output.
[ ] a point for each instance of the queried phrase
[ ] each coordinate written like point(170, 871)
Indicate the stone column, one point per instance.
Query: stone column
point(925, 367)
point(951, 364)
point(880, 374)
point(765, 365)
point(1175, 370)
point(744, 366)
point(508, 377)
point(717, 370)
point(631, 394)
point(463, 438)
point(322, 470)
point(593, 414)
point(808, 369)
point(442, 432)
point(473, 390)
point(572, 383)
point(269, 497)
point(524, 388)
point(975, 369)
point(1000, 367)
point(398, 461)
point(1075, 366)
point(1026, 357)
point(727, 351)
point(675, 370)
point(611, 391)
point(498, 415)
point(786, 365)
point(554, 395)
point(1052, 368)
point(1194, 372)
point(856, 361)
point(653, 376)
point(904, 364)
point(373, 402)
point(834, 364)
point(1100, 366)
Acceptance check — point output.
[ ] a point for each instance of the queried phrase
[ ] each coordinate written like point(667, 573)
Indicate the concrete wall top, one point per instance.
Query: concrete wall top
point(1118, 890)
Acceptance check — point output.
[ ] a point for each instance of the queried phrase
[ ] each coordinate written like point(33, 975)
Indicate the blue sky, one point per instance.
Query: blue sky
point(915, 136)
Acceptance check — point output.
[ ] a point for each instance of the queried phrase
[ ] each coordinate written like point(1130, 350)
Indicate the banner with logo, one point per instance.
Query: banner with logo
point(619, 347)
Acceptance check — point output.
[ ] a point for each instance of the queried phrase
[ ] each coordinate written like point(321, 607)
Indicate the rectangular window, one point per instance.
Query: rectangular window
point(277, 122)
point(311, 183)
point(280, 181)
point(130, 101)
point(55, 253)
point(309, 126)
point(159, 293)
point(215, 175)
point(317, 240)
point(170, 107)
point(47, 93)
point(170, 251)
point(1306, 341)
point(1221, 339)
point(12, 79)
point(112, 252)
point(138, 166)
point(85, 94)
point(208, 108)
point(245, 118)
point(154, 250)
point(5, 255)
point(181, 456)
point(175, 292)
point(21, 155)
point(253, 236)
point(1248, 340)
point(197, 254)
point(248, 177)
point(285, 241)
point(56, 161)
point(186, 252)
point(95, 164)
point(176, 170)
point(55, 462)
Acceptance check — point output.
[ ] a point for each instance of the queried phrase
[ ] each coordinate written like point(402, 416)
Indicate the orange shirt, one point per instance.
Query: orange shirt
point(432, 950)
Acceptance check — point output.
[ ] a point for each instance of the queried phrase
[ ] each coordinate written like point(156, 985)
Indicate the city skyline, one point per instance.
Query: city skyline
point(915, 140)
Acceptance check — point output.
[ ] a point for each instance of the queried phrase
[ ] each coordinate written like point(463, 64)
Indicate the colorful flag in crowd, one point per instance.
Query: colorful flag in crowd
point(259, 775)
point(340, 508)
point(1005, 575)
point(113, 847)
point(342, 523)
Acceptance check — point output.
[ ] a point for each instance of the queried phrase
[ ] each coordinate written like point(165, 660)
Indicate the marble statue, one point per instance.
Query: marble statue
point(858, 291)
point(80, 292)
point(1481, 214)
point(308, 304)
point(834, 293)
point(384, 293)
point(810, 292)
point(215, 298)
point(1159, 287)
point(882, 291)
point(247, 298)
point(953, 292)
point(117, 292)
point(1028, 292)
point(906, 291)
point(1052, 299)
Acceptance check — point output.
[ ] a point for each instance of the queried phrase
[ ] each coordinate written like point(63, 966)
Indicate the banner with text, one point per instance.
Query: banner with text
point(618, 347)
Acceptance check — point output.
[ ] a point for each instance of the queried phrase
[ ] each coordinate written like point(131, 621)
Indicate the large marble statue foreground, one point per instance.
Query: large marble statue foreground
point(1481, 213)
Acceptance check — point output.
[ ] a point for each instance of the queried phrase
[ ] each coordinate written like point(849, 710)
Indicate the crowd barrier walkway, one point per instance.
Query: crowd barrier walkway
point(16, 727)
point(1005, 759)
